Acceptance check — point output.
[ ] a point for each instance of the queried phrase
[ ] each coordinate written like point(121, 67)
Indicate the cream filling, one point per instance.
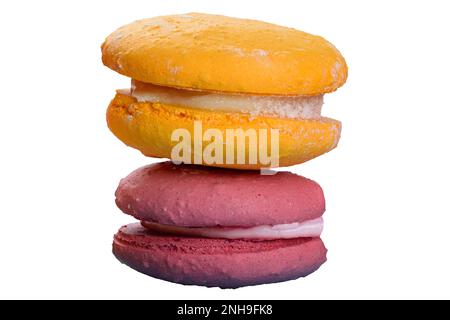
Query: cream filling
point(305, 107)
point(309, 228)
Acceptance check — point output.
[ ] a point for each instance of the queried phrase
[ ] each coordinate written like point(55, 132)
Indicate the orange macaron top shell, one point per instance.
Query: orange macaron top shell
point(218, 53)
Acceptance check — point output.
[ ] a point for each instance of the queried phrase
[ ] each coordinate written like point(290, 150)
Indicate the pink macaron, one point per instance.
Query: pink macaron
point(219, 227)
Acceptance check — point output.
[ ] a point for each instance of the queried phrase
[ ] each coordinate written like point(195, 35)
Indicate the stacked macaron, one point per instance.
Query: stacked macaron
point(201, 224)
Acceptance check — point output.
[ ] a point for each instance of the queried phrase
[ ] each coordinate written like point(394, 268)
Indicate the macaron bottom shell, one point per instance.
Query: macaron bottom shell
point(216, 262)
point(148, 127)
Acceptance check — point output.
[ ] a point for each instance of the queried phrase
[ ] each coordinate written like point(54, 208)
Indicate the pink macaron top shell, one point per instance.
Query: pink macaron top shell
point(198, 196)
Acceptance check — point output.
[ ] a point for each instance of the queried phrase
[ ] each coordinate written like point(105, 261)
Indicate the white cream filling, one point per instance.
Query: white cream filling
point(305, 107)
point(309, 228)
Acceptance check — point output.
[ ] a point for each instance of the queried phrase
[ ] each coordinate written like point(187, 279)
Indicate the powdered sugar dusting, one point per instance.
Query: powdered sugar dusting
point(260, 52)
point(335, 71)
point(236, 50)
point(175, 70)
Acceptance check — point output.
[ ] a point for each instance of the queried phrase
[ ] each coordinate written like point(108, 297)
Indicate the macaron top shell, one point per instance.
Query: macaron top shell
point(218, 53)
point(196, 196)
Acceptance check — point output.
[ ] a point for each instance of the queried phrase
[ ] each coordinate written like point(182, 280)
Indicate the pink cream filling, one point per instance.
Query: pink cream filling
point(309, 228)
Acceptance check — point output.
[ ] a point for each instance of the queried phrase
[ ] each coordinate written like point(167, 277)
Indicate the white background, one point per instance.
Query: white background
point(386, 185)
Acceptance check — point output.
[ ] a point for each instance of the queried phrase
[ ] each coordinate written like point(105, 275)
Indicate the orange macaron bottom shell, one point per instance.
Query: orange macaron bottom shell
point(148, 127)
point(216, 262)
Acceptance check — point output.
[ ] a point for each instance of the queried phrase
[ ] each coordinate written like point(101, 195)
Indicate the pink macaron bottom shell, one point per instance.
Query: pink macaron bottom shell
point(217, 262)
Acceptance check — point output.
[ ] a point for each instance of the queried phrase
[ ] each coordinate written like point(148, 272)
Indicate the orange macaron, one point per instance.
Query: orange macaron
point(208, 74)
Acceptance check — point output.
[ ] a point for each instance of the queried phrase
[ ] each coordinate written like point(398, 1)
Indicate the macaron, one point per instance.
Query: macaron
point(224, 74)
point(219, 227)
